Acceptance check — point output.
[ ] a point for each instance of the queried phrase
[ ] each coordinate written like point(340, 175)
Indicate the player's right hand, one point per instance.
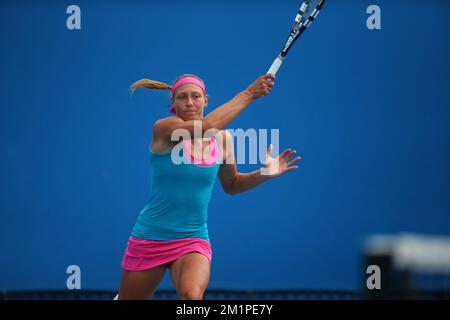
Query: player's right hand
point(262, 86)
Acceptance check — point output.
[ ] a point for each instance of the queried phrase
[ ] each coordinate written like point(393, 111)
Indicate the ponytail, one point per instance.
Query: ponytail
point(149, 84)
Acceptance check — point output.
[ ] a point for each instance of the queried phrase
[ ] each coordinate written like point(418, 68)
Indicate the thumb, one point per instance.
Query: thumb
point(269, 151)
point(268, 154)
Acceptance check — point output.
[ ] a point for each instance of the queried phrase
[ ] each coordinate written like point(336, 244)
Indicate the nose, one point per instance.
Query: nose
point(189, 102)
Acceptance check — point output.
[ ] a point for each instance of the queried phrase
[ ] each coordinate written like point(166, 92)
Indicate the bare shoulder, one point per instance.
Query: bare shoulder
point(162, 128)
point(165, 121)
point(158, 143)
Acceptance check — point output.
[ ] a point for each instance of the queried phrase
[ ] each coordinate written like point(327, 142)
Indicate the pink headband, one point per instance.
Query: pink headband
point(187, 80)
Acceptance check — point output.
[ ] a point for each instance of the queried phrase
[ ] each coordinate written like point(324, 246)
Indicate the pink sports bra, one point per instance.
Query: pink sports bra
point(212, 159)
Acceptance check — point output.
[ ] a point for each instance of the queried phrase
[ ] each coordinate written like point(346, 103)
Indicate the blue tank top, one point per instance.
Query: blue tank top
point(180, 194)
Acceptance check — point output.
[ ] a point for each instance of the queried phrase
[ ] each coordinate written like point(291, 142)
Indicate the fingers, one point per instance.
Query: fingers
point(262, 86)
point(268, 154)
point(285, 152)
point(291, 168)
point(288, 154)
point(268, 87)
point(269, 151)
point(270, 77)
point(267, 82)
point(290, 163)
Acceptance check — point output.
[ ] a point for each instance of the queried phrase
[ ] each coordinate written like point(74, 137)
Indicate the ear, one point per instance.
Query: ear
point(206, 100)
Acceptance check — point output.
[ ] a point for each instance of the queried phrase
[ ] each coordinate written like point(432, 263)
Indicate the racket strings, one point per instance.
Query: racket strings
point(309, 19)
point(298, 18)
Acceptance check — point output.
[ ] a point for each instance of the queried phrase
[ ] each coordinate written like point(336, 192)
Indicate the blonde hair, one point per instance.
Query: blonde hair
point(149, 84)
point(156, 85)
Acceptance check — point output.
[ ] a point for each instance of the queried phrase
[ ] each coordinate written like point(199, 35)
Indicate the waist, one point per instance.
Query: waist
point(154, 231)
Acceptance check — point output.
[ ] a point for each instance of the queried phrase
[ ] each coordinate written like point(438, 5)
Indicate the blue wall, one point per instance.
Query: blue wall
point(367, 110)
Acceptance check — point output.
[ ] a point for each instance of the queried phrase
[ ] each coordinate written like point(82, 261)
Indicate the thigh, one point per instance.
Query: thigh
point(192, 270)
point(141, 285)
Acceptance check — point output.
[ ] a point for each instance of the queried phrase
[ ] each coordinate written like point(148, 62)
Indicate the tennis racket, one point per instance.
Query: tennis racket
point(305, 16)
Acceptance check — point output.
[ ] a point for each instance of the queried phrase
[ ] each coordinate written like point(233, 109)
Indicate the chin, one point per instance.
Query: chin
point(192, 117)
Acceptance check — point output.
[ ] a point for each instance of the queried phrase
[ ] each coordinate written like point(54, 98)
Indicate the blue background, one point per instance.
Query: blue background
point(368, 110)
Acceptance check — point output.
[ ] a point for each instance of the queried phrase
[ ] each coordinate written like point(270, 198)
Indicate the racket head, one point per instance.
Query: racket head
point(310, 15)
point(313, 4)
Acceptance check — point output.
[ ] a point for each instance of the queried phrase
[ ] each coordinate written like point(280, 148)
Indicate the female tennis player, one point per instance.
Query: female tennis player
point(171, 230)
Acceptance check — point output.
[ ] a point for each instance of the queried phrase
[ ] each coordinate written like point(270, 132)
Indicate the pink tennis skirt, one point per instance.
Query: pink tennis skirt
point(144, 254)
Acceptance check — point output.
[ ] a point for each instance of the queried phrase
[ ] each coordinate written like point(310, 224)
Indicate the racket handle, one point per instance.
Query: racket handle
point(275, 65)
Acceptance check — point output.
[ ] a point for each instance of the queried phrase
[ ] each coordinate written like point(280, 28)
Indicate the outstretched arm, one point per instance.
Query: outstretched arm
point(234, 182)
point(221, 116)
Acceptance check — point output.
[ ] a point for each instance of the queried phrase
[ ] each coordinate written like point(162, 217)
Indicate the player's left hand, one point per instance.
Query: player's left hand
point(274, 167)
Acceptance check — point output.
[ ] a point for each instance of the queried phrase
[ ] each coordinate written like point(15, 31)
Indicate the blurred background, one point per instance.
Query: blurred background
point(367, 110)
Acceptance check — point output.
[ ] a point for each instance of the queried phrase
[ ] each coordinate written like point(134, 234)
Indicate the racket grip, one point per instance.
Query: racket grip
point(275, 65)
